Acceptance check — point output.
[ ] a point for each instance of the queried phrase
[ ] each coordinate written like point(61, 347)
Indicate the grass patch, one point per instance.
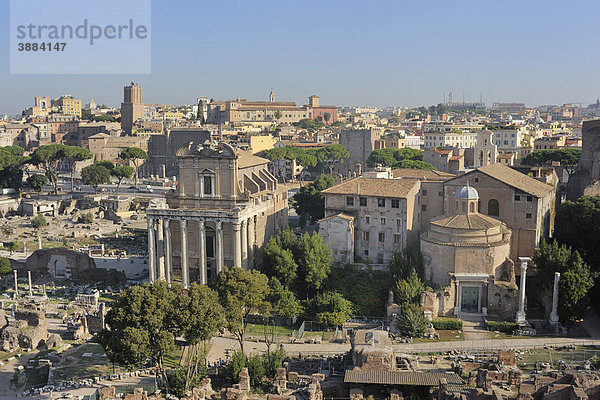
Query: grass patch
point(259, 330)
point(445, 336)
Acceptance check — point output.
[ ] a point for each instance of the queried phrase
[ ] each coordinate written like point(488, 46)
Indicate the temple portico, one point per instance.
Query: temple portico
point(219, 216)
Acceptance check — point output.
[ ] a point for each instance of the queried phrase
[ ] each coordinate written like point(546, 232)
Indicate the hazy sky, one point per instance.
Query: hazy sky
point(376, 52)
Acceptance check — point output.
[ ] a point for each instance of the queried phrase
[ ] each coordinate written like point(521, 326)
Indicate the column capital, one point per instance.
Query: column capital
point(219, 225)
point(201, 223)
point(166, 223)
point(237, 226)
point(244, 223)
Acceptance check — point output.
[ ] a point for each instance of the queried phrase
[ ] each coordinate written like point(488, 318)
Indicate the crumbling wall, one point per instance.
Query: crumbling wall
point(503, 300)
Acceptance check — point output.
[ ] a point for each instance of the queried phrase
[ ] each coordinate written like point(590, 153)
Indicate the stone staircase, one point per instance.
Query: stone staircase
point(474, 327)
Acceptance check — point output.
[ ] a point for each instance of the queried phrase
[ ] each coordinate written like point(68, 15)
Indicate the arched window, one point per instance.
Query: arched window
point(472, 207)
point(493, 208)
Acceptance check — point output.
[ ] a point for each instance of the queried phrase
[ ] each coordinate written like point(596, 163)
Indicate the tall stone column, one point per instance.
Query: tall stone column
point(219, 247)
point(151, 251)
point(161, 249)
point(16, 294)
point(202, 251)
point(185, 271)
point(244, 244)
point(237, 245)
point(29, 281)
point(251, 241)
point(168, 252)
point(521, 318)
point(554, 313)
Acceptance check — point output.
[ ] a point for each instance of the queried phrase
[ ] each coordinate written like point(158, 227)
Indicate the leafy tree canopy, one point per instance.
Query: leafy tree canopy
point(38, 221)
point(568, 158)
point(576, 278)
point(95, 175)
point(310, 201)
point(393, 157)
point(5, 267)
point(331, 309)
point(241, 292)
point(37, 182)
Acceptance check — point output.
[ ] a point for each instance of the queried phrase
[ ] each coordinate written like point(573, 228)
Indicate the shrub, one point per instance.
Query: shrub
point(86, 218)
point(256, 369)
point(39, 221)
point(238, 361)
point(412, 322)
point(502, 326)
point(448, 324)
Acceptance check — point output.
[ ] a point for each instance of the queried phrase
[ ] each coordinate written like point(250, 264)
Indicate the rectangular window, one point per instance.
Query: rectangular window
point(366, 236)
point(441, 194)
point(381, 237)
point(476, 180)
point(368, 220)
point(424, 192)
point(397, 238)
point(423, 207)
point(381, 202)
point(529, 198)
point(363, 201)
point(382, 221)
point(399, 223)
point(366, 252)
point(395, 203)
point(207, 185)
point(349, 201)
point(517, 197)
point(528, 215)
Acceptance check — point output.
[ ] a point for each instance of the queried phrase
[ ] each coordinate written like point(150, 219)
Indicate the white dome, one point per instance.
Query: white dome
point(466, 193)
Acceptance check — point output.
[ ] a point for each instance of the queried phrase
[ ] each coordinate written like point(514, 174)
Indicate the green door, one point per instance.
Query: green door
point(470, 299)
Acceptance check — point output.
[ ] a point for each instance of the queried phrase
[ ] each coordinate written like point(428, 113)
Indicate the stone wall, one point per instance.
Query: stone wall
point(503, 299)
point(439, 302)
point(61, 263)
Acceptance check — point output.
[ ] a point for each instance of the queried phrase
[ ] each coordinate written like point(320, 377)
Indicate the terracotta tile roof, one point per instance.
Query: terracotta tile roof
point(464, 221)
point(246, 160)
point(516, 179)
point(442, 151)
point(339, 215)
point(374, 187)
point(401, 378)
point(424, 174)
point(454, 158)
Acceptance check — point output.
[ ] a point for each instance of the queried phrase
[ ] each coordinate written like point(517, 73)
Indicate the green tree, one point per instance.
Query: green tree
point(577, 224)
point(12, 246)
point(37, 182)
point(71, 155)
point(327, 117)
point(330, 155)
point(240, 293)
point(283, 300)
point(143, 322)
point(397, 158)
point(331, 309)
point(408, 290)
point(202, 317)
point(315, 263)
point(411, 321)
point(95, 175)
point(310, 201)
point(121, 172)
point(48, 157)
point(109, 165)
point(256, 370)
point(277, 115)
point(576, 278)
point(568, 158)
point(299, 263)
point(5, 267)
point(38, 221)
point(403, 264)
point(12, 162)
point(135, 155)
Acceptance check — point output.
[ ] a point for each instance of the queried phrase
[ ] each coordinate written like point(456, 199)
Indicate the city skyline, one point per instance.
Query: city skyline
point(393, 55)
